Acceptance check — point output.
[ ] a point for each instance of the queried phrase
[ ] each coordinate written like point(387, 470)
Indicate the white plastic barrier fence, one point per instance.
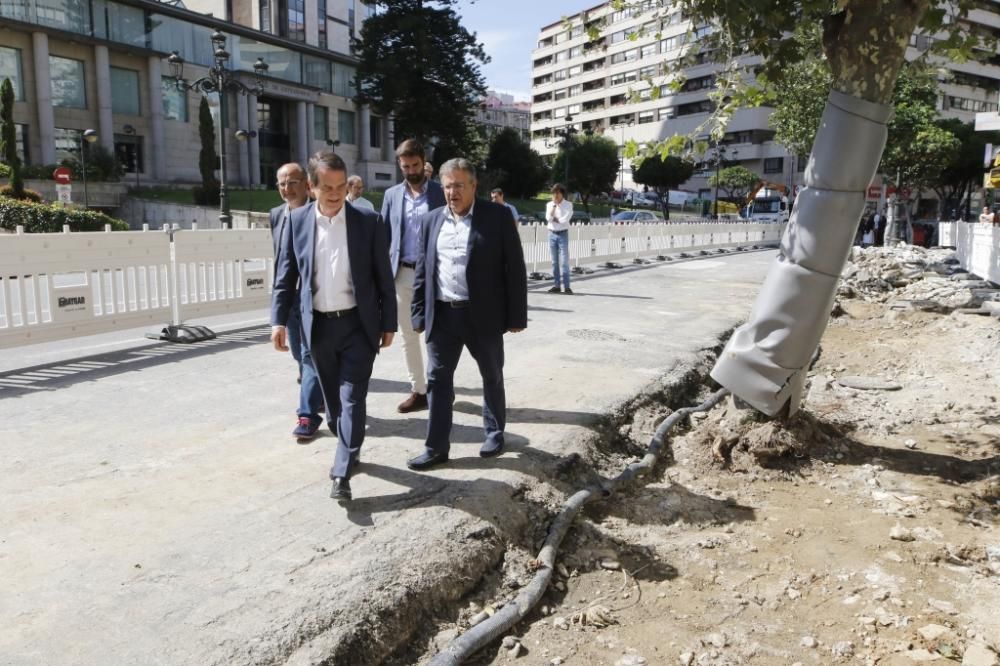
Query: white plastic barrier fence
point(222, 271)
point(977, 246)
point(61, 286)
point(601, 243)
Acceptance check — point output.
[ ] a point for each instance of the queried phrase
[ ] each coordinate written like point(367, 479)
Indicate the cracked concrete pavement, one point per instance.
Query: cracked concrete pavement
point(157, 510)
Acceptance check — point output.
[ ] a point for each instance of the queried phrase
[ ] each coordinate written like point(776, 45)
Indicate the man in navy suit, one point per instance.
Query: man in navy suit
point(294, 189)
point(471, 288)
point(337, 258)
point(402, 208)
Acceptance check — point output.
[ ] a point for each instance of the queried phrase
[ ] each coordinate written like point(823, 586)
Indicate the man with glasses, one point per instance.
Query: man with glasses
point(355, 188)
point(294, 190)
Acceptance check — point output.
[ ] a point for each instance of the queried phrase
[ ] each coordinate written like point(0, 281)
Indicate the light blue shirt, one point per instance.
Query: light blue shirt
point(413, 208)
point(453, 257)
point(512, 210)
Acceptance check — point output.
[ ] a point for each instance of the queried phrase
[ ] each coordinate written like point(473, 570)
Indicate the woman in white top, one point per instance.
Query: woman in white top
point(558, 213)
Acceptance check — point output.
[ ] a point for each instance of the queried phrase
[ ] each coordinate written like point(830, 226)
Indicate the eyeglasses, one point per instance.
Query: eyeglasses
point(288, 183)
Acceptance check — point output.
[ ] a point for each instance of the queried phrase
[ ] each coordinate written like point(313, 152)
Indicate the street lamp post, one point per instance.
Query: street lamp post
point(89, 136)
point(720, 150)
point(219, 79)
point(621, 158)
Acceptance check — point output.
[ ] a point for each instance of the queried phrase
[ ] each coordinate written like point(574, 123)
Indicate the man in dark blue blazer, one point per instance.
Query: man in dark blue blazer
point(336, 257)
point(403, 206)
point(294, 189)
point(471, 287)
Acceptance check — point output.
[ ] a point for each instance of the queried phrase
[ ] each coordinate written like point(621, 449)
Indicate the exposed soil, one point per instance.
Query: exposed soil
point(862, 530)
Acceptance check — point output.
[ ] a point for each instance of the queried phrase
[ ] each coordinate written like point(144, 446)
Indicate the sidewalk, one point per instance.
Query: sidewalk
point(157, 510)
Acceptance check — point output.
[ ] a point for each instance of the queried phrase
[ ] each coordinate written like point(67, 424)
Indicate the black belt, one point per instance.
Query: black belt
point(407, 264)
point(335, 314)
point(454, 304)
point(564, 231)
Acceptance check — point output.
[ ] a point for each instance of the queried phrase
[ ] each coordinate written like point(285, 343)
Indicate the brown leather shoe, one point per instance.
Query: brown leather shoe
point(414, 403)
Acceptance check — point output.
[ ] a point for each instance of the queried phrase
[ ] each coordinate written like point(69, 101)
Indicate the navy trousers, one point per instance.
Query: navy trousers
point(452, 330)
point(310, 395)
point(344, 358)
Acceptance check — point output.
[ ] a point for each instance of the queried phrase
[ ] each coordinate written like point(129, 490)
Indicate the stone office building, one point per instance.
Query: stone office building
point(102, 65)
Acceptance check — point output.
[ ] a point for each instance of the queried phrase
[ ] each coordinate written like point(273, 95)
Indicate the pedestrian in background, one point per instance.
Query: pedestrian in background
point(471, 287)
point(496, 196)
point(294, 189)
point(356, 188)
point(558, 214)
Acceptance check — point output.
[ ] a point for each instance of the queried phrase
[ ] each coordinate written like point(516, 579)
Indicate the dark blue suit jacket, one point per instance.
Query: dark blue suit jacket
point(497, 278)
point(374, 289)
point(278, 225)
point(393, 208)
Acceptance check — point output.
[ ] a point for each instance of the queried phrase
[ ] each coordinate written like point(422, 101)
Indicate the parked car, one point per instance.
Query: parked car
point(580, 217)
point(634, 216)
point(529, 218)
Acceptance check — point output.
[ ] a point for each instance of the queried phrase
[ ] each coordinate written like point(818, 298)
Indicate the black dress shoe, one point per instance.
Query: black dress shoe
point(491, 449)
point(426, 461)
point(341, 489)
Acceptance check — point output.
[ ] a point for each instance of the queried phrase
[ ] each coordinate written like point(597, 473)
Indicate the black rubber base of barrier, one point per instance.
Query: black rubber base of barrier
point(185, 333)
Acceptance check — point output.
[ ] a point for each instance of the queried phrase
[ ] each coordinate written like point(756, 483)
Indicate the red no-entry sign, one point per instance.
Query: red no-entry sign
point(62, 175)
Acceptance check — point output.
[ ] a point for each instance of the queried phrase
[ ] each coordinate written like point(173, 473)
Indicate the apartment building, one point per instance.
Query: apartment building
point(586, 85)
point(103, 65)
point(498, 111)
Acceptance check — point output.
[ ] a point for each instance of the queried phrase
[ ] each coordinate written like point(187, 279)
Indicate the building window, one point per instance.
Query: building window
point(68, 87)
point(175, 106)
point(125, 91)
point(345, 127)
point(774, 164)
point(292, 19)
point(128, 150)
point(10, 68)
point(321, 22)
point(265, 15)
point(21, 136)
point(801, 162)
point(321, 123)
point(375, 132)
point(67, 142)
point(646, 117)
point(343, 80)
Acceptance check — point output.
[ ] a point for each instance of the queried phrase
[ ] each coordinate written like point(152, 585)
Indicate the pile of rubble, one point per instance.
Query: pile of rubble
point(909, 277)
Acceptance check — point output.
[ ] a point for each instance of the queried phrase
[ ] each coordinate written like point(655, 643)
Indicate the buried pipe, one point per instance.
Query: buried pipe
point(494, 627)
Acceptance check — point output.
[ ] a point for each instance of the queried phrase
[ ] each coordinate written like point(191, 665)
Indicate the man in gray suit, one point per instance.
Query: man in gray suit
point(335, 257)
point(294, 189)
point(402, 207)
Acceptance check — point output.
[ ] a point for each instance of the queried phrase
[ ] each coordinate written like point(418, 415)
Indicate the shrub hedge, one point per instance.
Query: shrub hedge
point(38, 218)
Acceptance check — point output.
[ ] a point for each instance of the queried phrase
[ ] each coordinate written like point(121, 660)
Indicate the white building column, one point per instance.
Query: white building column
point(243, 150)
point(364, 133)
point(301, 132)
point(156, 152)
point(253, 143)
point(43, 97)
point(389, 141)
point(105, 126)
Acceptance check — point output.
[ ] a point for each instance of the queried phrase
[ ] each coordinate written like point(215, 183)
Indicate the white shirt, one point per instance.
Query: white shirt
point(987, 218)
point(333, 288)
point(362, 204)
point(562, 213)
point(453, 257)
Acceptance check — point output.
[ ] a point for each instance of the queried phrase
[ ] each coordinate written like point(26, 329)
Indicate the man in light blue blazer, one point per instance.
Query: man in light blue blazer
point(336, 258)
point(402, 208)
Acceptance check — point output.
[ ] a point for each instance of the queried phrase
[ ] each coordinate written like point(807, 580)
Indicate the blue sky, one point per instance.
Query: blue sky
point(508, 29)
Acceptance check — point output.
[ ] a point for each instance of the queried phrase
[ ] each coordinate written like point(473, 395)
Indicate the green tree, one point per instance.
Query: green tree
point(662, 174)
point(963, 174)
point(419, 64)
point(8, 139)
point(514, 166)
point(208, 193)
point(593, 166)
point(735, 181)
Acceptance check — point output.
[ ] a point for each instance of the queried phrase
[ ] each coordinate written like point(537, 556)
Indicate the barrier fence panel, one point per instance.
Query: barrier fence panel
point(61, 286)
point(222, 271)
